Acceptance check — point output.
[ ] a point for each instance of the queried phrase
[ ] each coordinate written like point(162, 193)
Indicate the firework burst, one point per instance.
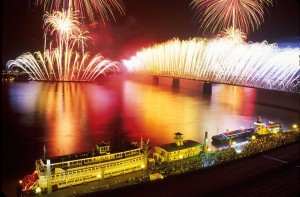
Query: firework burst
point(90, 9)
point(221, 60)
point(215, 15)
point(63, 62)
point(235, 35)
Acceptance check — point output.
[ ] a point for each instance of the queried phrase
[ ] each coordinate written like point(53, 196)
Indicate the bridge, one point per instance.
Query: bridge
point(255, 65)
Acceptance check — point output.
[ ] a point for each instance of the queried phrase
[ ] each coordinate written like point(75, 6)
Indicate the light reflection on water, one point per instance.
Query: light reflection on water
point(73, 117)
point(76, 116)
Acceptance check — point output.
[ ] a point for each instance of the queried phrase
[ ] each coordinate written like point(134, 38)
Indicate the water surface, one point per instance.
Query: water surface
point(70, 117)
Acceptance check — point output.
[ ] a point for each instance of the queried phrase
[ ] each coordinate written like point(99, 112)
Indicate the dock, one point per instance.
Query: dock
point(272, 172)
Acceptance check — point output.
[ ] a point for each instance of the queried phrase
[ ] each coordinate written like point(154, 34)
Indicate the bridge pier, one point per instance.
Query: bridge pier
point(207, 88)
point(155, 80)
point(175, 83)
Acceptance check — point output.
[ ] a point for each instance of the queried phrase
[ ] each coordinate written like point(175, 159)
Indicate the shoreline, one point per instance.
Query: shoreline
point(120, 184)
point(185, 184)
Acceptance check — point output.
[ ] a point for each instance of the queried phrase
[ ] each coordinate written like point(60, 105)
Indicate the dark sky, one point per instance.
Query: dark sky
point(146, 22)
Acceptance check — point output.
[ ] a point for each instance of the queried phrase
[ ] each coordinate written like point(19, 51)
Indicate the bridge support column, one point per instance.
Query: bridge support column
point(175, 83)
point(155, 80)
point(207, 88)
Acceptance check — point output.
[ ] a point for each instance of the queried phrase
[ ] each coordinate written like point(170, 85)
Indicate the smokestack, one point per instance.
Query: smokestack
point(49, 185)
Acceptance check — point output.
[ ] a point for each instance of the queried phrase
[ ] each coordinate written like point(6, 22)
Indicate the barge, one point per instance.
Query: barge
point(226, 136)
point(260, 129)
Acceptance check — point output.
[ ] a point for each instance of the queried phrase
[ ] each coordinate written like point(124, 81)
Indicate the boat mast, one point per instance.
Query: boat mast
point(44, 152)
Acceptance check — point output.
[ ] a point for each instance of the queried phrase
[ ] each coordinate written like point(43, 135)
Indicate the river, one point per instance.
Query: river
point(70, 117)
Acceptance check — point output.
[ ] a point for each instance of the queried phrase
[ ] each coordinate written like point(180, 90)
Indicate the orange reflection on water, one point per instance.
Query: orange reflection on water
point(232, 101)
point(236, 99)
point(164, 112)
point(161, 114)
point(59, 105)
point(76, 116)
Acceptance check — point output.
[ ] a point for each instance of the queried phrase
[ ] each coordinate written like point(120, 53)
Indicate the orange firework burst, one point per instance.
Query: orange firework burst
point(87, 8)
point(216, 15)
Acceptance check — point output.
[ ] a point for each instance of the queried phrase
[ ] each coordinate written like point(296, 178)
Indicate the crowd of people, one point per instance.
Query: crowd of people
point(270, 142)
point(204, 160)
point(255, 146)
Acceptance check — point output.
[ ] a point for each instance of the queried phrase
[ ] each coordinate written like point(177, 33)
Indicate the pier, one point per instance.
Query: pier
point(277, 170)
point(262, 176)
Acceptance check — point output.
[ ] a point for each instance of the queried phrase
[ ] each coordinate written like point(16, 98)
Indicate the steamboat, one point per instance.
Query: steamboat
point(55, 173)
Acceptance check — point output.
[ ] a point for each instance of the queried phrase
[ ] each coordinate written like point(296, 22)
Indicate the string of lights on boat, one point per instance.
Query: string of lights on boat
point(222, 60)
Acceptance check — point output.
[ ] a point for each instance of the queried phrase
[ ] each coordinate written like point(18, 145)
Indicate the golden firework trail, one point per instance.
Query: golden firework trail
point(87, 9)
point(221, 60)
point(63, 62)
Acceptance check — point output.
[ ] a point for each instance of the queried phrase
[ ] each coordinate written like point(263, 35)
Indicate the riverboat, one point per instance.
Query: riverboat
point(68, 170)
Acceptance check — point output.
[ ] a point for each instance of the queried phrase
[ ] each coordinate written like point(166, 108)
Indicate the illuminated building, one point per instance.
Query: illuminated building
point(178, 150)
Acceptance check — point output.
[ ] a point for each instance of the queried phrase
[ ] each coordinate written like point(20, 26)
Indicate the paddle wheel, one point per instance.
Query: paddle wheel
point(30, 182)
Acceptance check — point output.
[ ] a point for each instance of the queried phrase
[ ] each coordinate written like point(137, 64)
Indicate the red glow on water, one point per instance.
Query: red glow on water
point(73, 117)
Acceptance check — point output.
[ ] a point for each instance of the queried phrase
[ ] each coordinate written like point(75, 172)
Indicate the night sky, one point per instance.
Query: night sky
point(146, 22)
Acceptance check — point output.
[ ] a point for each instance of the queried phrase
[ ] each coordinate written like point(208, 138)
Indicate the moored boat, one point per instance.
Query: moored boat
point(68, 170)
point(226, 136)
point(260, 129)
